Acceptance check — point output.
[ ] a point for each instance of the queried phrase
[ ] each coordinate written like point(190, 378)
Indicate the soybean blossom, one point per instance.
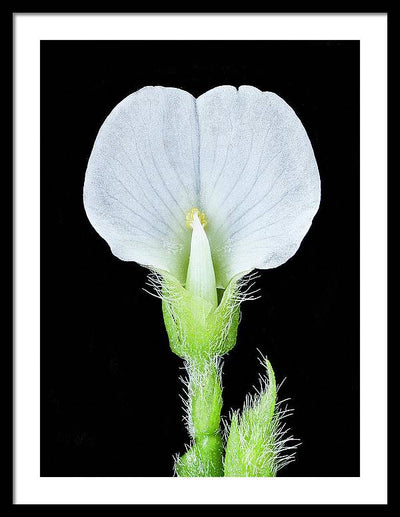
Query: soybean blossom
point(202, 192)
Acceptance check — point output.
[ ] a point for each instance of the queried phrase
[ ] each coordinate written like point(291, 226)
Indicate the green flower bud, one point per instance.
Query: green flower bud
point(257, 444)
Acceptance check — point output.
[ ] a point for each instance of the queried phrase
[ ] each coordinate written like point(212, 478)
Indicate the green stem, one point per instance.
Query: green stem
point(204, 458)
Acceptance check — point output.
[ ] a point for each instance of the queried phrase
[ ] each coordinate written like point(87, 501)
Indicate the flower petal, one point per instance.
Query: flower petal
point(142, 178)
point(200, 279)
point(259, 181)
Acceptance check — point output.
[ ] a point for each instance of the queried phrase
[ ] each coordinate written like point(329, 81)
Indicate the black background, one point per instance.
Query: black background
point(109, 383)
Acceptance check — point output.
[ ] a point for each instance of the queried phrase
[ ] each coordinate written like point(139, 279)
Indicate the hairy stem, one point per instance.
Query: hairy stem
point(204, 458)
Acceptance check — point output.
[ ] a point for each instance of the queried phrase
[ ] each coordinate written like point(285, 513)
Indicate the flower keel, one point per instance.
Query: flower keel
point(200, 279)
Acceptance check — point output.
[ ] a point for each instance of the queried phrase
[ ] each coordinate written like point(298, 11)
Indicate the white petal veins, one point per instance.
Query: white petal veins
point(142, 178)
point(260, 185)
point(242, 156)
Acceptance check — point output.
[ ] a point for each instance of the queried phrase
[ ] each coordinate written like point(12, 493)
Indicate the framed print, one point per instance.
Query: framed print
point(234, 167)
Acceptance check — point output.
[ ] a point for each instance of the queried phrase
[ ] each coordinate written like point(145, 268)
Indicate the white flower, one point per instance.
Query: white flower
point(234, 169)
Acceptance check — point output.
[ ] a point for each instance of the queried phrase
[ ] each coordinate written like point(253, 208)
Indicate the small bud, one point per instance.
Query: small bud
point(257, 445)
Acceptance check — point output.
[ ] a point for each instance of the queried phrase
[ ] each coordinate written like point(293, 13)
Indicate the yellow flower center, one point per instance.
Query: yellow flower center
point(190, 217)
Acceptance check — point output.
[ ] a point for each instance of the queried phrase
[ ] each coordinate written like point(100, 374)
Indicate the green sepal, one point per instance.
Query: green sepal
point(196, 330)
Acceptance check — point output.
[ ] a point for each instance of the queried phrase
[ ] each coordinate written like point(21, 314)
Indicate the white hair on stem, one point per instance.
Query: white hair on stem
point(194, 383)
